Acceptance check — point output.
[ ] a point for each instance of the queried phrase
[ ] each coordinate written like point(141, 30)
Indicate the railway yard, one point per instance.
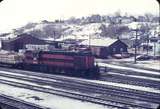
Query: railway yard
point(118, 88)
point(79, 54)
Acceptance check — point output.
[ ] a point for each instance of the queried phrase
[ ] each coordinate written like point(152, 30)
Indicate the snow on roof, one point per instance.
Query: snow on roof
point(48, 39)
point(74, 37)
point(99, 42)
point(18, 37)
point(149, 44)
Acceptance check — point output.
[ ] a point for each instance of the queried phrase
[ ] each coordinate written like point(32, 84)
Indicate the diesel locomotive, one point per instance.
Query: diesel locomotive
point(72, 63)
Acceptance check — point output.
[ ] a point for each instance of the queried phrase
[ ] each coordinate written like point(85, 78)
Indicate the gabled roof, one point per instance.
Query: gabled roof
point(28, 36)
point(105, 42)
point(20, 37)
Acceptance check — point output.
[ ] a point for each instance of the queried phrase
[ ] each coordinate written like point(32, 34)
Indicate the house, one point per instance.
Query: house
point(153, 46)
point(105, 47)
point(146, 46)
point(20, 42)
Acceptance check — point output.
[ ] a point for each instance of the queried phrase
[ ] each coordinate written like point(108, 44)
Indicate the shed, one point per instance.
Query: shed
point(15, 44)
point(105, 47)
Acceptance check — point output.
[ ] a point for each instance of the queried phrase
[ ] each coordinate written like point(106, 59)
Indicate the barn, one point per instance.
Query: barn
point(105, 47)
point(15, 44)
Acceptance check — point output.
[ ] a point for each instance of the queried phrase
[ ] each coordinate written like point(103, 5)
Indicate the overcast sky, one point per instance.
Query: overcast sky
point(15, 13)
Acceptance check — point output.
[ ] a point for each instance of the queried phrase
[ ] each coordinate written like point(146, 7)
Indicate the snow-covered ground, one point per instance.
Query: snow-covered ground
point(149, 64)
point(55, 102)
point(141, 88)
point(153, 64)
point(80, 32)
point(129, 68)
point(47, 100)
point(135, 76)
point(44, 99)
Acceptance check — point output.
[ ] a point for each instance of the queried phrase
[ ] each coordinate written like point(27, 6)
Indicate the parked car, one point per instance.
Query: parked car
point(126, 55)
point(143, 57)
point(118, 56)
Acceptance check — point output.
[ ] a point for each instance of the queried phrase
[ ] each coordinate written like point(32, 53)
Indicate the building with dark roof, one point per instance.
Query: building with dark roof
point(106, 47)
point(20, 42)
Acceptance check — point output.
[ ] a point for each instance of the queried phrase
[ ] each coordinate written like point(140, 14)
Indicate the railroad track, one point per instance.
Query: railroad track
point(115, 100)
point(130, 80)
point(82, 82)
point(62, 93)
point(14, 103)
point(76, 80)
point(73, 95)
point(127, 72)
point(124, 64)
point(82, 88)
point(70, 85)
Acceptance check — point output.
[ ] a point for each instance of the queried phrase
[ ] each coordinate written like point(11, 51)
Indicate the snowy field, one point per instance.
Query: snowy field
point(141, 88)
point(129, 68)
point(153, 64)
point(149, 64)
point(58, 102)
point(47, 100)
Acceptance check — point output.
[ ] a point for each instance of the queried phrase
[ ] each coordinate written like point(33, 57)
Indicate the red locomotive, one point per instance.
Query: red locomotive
point(74, 63)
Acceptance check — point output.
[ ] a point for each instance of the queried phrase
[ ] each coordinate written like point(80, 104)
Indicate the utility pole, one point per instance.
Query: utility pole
point(147, 44)
point(136, 42)
point(54, 37)
point(89, 41)
point(135, 53)
point(155, 45)
point(154, 50)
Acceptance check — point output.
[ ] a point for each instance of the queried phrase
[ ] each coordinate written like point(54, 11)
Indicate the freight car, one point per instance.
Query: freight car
point(73, 63)
point(10, 59)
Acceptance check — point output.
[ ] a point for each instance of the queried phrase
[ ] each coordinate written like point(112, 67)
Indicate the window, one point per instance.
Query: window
point(121, 49)
point(114, 49)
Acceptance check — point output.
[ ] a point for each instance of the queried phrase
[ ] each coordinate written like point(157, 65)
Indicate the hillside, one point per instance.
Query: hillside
point(94, 26)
